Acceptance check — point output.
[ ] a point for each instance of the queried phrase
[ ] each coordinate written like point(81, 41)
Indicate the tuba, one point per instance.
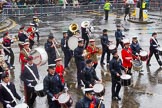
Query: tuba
point(85, 24)
point(73, 28)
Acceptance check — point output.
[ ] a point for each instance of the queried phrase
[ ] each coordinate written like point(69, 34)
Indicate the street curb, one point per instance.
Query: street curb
point(9, 26)
point(140, 22)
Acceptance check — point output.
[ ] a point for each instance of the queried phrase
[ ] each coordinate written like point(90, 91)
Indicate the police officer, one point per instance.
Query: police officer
point(105, 42)
point(115, 69)
point(52, 86)
point(89, 100)
point(66, 50)
point(119, 36)
point(7, 50)
point(136, 48)
point(30, 76)
point(50, 49)
point(107, 7)
point(153, 49)
point(8, 93)
point(89, 74)
point(79, 60)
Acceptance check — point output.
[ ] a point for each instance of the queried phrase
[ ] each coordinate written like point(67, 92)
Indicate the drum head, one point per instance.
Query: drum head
point(23, 105)
point(159, 48)
point(112, 46)
point(98, 88)
point(63, 98)
point(39, 87)
point(73, 42)
point(143, 53)
point(39, 56)
point(126, 77)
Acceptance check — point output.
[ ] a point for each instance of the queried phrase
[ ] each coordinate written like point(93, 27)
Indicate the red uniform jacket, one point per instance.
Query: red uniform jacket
point(31, 33)
point(127, 57)
point(93, 53)
point(60, 71)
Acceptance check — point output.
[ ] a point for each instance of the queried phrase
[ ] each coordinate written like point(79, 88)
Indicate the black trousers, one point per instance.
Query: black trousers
point(116, 86)
point(105, 51)
point(53, 104)
point(67, 57)
point(30, 96)
point(80, 65)
point(155, 52)
point(106, 14)
point(86, 40)
point(11, 55)
point(31, 43)
point(12, 105)
point(119, 42)
point(37, 36)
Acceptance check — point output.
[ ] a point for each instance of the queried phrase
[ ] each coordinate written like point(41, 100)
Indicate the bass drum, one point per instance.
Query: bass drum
point(39, 56)
point(22, 105)
point(65, 100)
point(73, 42)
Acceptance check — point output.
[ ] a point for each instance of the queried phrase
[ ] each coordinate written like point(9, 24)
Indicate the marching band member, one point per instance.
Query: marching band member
point(31, 32)
point(85, 36)
point(7, 50)
point(50, 49)
point(115, 69)
point(22, 37)
point(30, 77)
point(8, 93)
point(79, 60)
point(136, 48)
point(89, 100)
point(153, 49)
point(60, 69)
point(92, 51)
point(119, 36)
point(24, 53)
point(35, 24)
point(52, 86)
point(66, 50)
point(127, 56)
point(105, 42)
point(89, 75)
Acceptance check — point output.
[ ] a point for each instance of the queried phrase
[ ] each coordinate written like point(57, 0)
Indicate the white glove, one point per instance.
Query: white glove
point(22, 99)
point(29, 85)
point(137, 54)
point(8, 106)
point(66, 89)
point(53, 99)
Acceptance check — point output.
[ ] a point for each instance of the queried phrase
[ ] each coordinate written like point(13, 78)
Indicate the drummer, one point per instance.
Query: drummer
point(30, 76)
point(153, 50)
point(89, 100)
point(89, 75)
point(105, 43)
point(115, 69)
point(136, 48)
point(60, 69)
point(8, 94)
point(53, 86)
point(66, 50)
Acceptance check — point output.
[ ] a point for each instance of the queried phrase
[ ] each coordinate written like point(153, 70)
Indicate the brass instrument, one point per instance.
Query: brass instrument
point(3, 63)
point(54, 42)
point(99, 51)
point(73, 28)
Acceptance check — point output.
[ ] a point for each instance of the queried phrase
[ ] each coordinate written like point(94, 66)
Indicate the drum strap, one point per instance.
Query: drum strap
point(155, 40)
point(9, 91)
point(31, 71)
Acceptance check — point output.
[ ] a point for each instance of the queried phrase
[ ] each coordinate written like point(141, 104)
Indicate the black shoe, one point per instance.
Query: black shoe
point(119, 98)
point(148, 64)
point(105, 19)
point(102, 63)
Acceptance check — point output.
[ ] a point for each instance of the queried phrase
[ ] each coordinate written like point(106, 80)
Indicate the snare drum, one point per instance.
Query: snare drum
point(137, 65)
point(65, 100)
point(143, 55)
point(39, 56)
point(99, 90)
point(125, 80)
point(112, 47)
point(22, 105)
point(160, 50)
point(39, 90)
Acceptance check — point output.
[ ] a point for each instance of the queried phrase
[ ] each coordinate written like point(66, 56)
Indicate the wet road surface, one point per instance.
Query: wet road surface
point(145, 91)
